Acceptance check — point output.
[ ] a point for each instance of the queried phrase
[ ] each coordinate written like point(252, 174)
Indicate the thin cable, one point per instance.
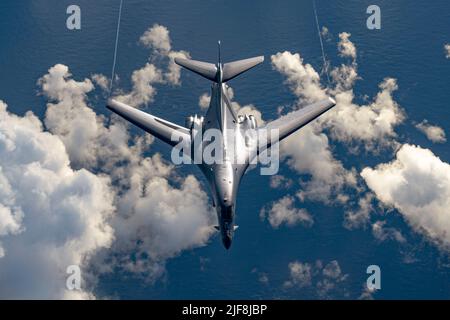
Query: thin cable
point(115, 49)
point(325, 63)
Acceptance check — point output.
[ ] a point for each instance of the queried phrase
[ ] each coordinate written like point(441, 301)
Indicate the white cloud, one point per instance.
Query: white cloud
point(158, 38)
point(51, 216)
point(447, 50)
point(308, 152)
point(101, 80)
point(159, 221)
point(143, 91)
point(144, 80)
point(326, 35)
point(154, 218)
point(204, 101)
point(88, 141)
point(345, 46)
point(373, 124)
point(360, 216)
point(284, 212)
point(417, 184)
point(300, 274)
point(303, 80)
point(344, 77)
point(279, 181)
point(327, 280)
point(367, 294)
point(173, 74)
point(153, 221)
point(383, 233)
point(434, 133)
point(262, 276)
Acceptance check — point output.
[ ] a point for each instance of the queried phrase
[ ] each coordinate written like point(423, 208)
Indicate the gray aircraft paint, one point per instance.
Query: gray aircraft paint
point(223, 177)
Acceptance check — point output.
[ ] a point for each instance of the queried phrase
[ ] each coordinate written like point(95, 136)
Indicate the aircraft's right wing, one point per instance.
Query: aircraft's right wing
point(160, 128)
point(291, 122)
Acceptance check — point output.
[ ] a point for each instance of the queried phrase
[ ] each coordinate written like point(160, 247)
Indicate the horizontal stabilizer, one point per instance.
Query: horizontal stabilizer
point(205, 69)
point(210, 71)
point(233, 69)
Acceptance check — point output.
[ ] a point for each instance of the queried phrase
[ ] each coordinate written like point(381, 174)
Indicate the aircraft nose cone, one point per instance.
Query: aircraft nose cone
point(226, 242)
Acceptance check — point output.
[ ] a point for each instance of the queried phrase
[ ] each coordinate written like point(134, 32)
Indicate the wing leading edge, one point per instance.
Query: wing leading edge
point(158, 127)
point(291, 122)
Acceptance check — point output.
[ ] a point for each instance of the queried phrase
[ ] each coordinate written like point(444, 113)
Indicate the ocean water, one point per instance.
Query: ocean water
point(409, 47)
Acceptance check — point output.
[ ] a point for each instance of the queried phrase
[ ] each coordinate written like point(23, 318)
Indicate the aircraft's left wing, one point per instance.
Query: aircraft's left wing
point(291, 122)
point(160, 128)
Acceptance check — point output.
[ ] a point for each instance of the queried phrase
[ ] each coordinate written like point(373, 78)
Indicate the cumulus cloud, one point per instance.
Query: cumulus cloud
point(88, 141)
point(383, 233)
point(204, 101)
point(367, 294)
point(371, 126)
point(143, 91)
point(144, 80)
point(345, 46)
point(308, 150)
point(279, 181)
point(158, 221)
point(325, 32)
point(303, 80)
point(101, 80)
point(434, 133)
point(155, 226)
point(308, 153)
point(158, 38)
point(447, 51)
point(300, 274)
point(283, 212)
point(327, 280)
point(417, 184)
point(51, 216)
point(133, 214)
point(262, 276)
point(360, 216)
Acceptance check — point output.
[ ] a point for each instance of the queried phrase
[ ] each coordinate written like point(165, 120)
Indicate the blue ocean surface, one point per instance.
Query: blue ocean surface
point(409, 47)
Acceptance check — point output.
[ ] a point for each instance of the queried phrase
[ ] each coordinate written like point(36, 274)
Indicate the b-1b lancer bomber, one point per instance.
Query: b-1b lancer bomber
point(237, 150)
